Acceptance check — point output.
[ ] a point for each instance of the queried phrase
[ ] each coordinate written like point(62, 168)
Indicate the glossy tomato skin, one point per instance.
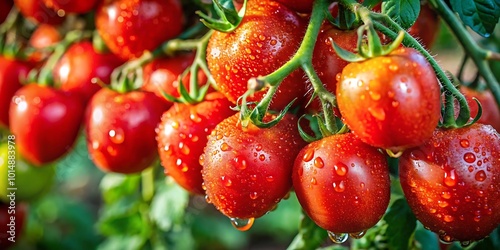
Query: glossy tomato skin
point(71, 6)
point(45, 121)
point(163, 74)
point(18, 213)
point(490, 110)
point(451, 182)
point(301, 6)
point(342, 183)
point(120, 129)
point(247, 171)
point(391, 102)
point(31, 181)
point(266, 38)
point(37, 12)
point(11, 73)
point(79, 65)
point(182, 135)
point(130, 27)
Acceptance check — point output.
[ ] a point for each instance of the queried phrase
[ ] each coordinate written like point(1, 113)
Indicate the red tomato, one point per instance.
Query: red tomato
point(130, 27)
point(391, 102)
point(37, 12)
point(490, 109)
point(12, 220)
point(182, 135)
point(451, 182)
point(11, 73)
point(120, 129)
point(302, 6)
point(5, 6)
point(79, 65)
point(247, 171)
point(44, 36)
point(71, 6)
point(266, 38)
point(342, 183)
point(163, 74)
point(45, 121)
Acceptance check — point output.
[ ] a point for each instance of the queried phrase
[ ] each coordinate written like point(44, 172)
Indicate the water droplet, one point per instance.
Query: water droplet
point(464, 143)
point(195, 117)
point(95, 145)
point(112, 151)
point(377, 112)
point(318, 162)
point(184, 149)
point(465, 243)
point(253, 195)
point(448, 218)
point(375, 95)
point(207, 199)
point(224, 147)
point(313, 181)
point(226, 181)
point(338, 238)
point(253, 177)
point(450, 178)
point(240, 163)
point(270, 178)
point(340, 169)
point(358, 235)
point(242, 224)
point(258, 147)
point(201, 160)
point(262, 157)
point(480, 175)
point(469, 157)
point(308, 155)
point(442, 203)
point(339, 187)
point(446, 239)
point(174, 125)
point(470, 168)
point(116, 135)
point(394, 67)
point(446, 195)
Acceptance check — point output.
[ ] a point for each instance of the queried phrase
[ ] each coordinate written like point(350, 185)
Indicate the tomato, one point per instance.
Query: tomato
point(71, 6)
point(79, 65)
point(267, 37)
point(130, 27)
point(391, 102)
point(5, 7)
point(31, 181)
point(342, 183)
point(182, 135)
point(44, 36)
point(45, 121)
point(163, 74)
point(120, 129)
point(302, 6)
point(37, 12)
point(12, 220)
point(247, 171)
point(12, 71)
point(426, 27)
point(451, 182)
point(490, 110)
point(326, 62)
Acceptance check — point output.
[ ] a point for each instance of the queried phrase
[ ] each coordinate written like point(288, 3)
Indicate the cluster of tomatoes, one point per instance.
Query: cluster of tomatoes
point(389, 103)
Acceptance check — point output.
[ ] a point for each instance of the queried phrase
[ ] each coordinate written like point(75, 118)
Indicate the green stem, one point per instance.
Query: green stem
point(478, 55)
point(147, 181)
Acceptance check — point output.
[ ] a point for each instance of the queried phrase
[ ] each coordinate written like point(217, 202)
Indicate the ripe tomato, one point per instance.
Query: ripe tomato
point(491, 111)
point(70, 6)
point(79, 65)
point(266, 38)
point(43, 36)
point(45, 121)
point(182, 135)
point(130, 27)
point(247, 171)
point(163, 74)
point(11, 73)
point(5, 7)
point(302, 6)
point(342, 183)
point(120, 129)
point(451, 182)
point(31, 181)
point(12, 220)
point(392, 101)
point(326, 62)
point(37, 12)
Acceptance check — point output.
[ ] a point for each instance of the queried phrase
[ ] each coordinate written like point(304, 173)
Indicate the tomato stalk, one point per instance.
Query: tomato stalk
point(10, 23)
point(478, 55)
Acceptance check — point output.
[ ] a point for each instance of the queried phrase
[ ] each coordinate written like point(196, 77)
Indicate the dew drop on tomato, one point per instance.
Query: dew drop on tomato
point(358, 235)
point(450, 178)
point(338, 238)
point(117, 136)
point(469, 157)
point(480, 175)
point(340, 169)
point(318, 162)
point(242, 224)
point(464, 143)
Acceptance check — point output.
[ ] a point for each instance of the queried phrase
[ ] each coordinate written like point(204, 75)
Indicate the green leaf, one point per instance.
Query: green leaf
point(122, 217)
point(130, 242)
point(310, 235)
point(401, 225)
point(404, 12)
point(371, 3)
point(480, 15)
point(427, 239)
point(168, 205)
point(115, 186)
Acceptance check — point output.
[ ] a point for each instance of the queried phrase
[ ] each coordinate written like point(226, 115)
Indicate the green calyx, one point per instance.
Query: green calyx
point(227, 19)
